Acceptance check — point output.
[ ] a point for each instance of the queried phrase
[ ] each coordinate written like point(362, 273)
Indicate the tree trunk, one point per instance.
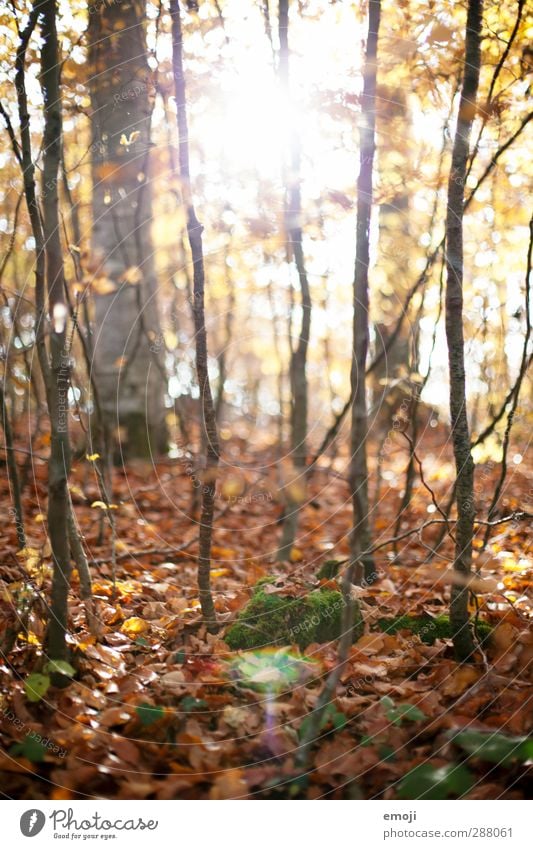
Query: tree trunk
point(462, 637)
point(298, 363)
point(209, 425)
point(129, 375)
point(362, 564)
point(59, 357)
point(12, 472)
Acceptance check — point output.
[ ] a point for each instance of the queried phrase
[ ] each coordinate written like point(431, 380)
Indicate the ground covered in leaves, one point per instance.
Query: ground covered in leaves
point(158, 708)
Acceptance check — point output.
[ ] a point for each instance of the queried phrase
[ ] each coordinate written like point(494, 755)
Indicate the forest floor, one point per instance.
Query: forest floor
point(160, 709)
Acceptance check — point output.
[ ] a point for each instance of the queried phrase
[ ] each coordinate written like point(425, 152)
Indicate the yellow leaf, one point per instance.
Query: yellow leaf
point(233, 486)
point(92, 457)
point(134, 627)
point(103, 285)
point(132, 275)
point(128, 587)
point(31, 558)
point(30, 638)
point(126, 141)
point(219, 573)
point(296, 555)
point(75, 490)
point(103, 506)
point(27, 552)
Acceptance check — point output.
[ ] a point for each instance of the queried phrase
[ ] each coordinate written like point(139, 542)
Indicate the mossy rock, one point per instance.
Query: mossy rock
point(270, 619)
point(428, 628)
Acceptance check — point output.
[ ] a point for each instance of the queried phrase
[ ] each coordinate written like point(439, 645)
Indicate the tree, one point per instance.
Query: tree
point(58, 381)
point(362, 562)
point(464, 464)
point(208, 415)
point(129, 374)
point(298, 360)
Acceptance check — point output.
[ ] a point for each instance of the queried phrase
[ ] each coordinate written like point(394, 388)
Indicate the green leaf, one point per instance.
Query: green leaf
point(387, 753)
point(430, 782)
point(148, 714)
point(30, 748)
point(401, 713)
point(189, 703)
point(35, 686)
point(61, 667)
point(494, 747)
point(331, 716)
point(179, 657)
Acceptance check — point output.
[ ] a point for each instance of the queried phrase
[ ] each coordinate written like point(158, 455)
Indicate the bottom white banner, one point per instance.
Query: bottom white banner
point(263, 825)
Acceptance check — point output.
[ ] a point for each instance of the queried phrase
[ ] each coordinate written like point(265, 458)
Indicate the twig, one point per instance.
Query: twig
point(513, 517)
point(425, 484)
point(158, 551)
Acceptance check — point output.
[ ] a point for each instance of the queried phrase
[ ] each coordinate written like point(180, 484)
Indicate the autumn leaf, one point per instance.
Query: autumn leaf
point(133, 275)
point(102, 285)
point(135, 627)
point(127, 141)
point(440, 33)
point(459, 681)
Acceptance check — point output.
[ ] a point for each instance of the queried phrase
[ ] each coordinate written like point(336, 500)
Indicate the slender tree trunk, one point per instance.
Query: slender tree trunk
point(517, 387)
point(363, 564)
point(222, 358)
point(464, 465)
point(59, 463)
point(12, 471)
point(209, 425)
point(298, 362)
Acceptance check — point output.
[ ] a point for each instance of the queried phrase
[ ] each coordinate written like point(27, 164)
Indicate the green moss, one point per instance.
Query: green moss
point(428, 628)
point(271, 619)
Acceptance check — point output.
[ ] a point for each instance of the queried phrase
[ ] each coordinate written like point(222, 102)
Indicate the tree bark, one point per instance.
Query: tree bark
point(129, 377)
point(362, 564)
point(298, 362)
point(59, 358)
point(209, 425)
point(12, 472)
point(464, 465)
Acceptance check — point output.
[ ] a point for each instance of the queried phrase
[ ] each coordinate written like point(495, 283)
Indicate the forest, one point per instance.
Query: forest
point(265, 399)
